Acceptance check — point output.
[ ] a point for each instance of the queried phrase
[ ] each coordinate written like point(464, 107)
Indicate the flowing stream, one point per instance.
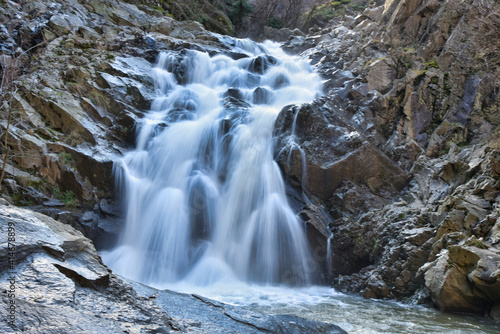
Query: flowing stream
point(205, 204)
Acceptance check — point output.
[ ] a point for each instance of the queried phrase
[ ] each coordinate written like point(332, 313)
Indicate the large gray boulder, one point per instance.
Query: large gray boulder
point(60, 284)
point(465, 279)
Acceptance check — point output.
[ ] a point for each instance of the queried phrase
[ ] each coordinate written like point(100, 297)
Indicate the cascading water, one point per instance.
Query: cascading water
point(204, 198)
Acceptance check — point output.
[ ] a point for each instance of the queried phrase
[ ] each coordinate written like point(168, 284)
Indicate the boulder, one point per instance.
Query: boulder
point(328, 150)
point(380, 75)
point(61, 285)
point(465, 279)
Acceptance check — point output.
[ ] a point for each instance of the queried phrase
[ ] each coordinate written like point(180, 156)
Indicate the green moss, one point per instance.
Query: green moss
point(40, 185)
point(202, 18)
point(44, 136)
point(386, 130)
point(400, 217)
point(85, 46)
point(98, 99)
point(76, 88)
point(75, 139)
point(476, 243)
point(372, 187)
point(360, 241)
point(357, 7)
point(160, 9)
point(431, 64)
point(20, 200)
point(375, 246)
point(444, 151)
point(68, 197)
point(67, 158)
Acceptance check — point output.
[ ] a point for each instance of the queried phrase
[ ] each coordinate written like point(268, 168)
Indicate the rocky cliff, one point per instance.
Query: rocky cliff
point(400, 159)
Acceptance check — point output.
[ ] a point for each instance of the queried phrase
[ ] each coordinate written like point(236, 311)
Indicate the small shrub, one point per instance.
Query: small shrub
point(201, 18)
point(375, 246)
point(68, 197)
point(67, 158)
point(400, 217)
point(357, 7)
point(274, 22)
point(74, 139)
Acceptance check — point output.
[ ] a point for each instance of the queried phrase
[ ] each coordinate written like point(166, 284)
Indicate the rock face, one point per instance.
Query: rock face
point(57, 283)
point(465, 279)
point(334, 151)
point(400, 158)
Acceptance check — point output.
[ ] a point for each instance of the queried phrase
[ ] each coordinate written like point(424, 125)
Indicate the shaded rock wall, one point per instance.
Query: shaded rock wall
point(401, 155)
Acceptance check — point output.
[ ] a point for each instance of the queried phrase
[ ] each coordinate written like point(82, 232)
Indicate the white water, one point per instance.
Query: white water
point(354, 314)
point(205, 201)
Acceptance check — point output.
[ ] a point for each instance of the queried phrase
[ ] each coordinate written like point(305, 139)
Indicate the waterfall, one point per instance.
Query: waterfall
point(204, 200)
point(329, 256)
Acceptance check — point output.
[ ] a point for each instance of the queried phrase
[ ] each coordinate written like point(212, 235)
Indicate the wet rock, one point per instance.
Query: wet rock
point(109, 208)
point(54, 203)
point(281, 81)
point(338, 78)
point(316, 221)
point(213, 316)
point(376, 288)
point(347, 153)
point(261, 64)
point(63, 279)
point(464, 279)
point(380, 75)
point(234, 92)
point(353, 199)
point(232, 104)
point(262, 95)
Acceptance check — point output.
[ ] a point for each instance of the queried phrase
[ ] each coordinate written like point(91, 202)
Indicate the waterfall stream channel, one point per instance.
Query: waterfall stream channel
point(204, 202)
